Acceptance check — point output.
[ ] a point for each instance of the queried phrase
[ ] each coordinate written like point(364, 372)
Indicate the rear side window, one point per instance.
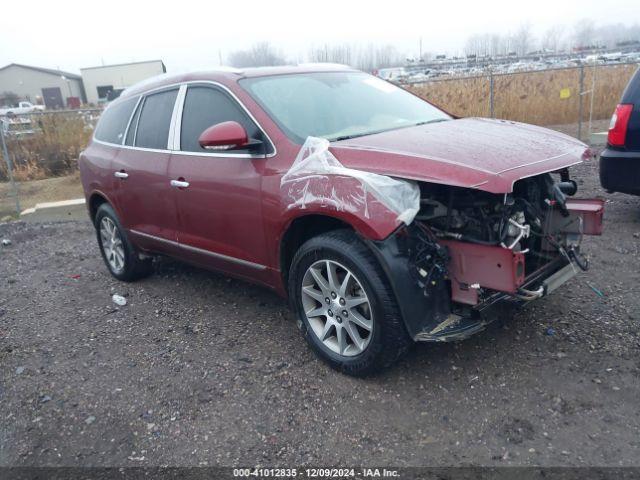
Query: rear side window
point(113, 121)
point(207, 106)
point(155, 118)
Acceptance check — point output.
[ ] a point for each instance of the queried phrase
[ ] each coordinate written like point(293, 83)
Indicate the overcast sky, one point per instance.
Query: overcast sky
point(191, 35)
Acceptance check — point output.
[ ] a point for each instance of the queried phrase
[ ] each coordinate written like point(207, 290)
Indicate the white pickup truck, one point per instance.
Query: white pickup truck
point(23, 107)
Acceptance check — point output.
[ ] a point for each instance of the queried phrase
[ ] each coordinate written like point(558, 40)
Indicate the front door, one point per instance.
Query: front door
point(219, 198)
point(144, 195)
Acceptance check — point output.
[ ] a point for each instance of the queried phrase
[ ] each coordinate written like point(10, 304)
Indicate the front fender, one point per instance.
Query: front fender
point(346, 198)
point(373, 225)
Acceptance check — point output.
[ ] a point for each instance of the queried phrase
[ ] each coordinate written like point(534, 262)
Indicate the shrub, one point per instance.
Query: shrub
point(52, 150)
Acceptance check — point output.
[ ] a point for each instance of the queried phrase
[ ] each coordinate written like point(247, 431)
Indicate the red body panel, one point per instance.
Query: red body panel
point(591, 211)
point(504, 270)
point(143, 198)
point(234, 209)
point(473, 266)
point(221, 211)
point(224, 134)
point(480, 153)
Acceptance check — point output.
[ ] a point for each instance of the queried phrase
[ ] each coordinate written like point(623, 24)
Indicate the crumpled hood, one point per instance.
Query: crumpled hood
point(480, 153)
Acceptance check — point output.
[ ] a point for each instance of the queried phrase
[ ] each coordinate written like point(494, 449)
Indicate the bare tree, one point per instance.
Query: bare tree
point(332, 54)
point(9, 98)
point(583, 33)
point(368, 57)
point(388, 56)
point(495, 45)
point(552, 38)
point(523, 39)
point(261, 54)
point(485, 45)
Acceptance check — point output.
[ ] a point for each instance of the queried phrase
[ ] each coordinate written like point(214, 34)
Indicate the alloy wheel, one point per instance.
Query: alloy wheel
point(112, 244)
point(337, 308)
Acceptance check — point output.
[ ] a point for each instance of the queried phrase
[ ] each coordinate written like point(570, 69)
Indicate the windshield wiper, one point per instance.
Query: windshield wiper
point(349, 137)
point(436, 120)
point(356, 135)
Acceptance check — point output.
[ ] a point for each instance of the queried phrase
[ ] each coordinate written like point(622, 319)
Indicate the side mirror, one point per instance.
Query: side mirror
point(224, 136)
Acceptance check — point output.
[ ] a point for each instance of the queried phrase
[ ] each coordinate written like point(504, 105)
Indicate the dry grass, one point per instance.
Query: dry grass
point(52, 151)
point(532, 97)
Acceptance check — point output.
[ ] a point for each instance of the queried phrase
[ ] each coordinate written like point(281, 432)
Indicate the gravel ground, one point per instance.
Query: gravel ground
point(198, 369)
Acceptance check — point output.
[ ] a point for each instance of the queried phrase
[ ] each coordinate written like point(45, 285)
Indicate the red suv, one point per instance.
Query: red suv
point(382, 218)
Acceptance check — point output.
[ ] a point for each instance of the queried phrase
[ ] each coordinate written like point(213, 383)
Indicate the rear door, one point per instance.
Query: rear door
point(143, 193)
point(220, 210)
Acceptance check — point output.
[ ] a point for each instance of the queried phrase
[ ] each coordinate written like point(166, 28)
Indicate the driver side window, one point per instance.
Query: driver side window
point(207, 106)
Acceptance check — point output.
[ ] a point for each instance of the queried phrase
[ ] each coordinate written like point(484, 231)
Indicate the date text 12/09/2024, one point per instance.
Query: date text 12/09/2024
point(315, 473)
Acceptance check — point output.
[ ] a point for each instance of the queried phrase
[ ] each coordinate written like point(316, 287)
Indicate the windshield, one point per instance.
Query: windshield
point(338, 105)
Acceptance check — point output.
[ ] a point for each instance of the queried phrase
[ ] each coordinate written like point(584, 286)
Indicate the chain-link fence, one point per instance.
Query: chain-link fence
point(39, 157)
point(40, 150)
point(572, 97)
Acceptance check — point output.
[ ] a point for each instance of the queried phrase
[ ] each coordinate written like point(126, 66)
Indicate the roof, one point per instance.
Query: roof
point(223, 74)
point(164, 69)
point(51, 71)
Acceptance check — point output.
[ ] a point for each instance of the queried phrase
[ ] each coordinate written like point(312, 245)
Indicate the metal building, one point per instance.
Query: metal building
point(53, 88)
point(106, 82)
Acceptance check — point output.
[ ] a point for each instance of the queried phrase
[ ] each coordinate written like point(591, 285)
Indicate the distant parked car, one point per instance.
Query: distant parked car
point(21, 108)
point(620, 161)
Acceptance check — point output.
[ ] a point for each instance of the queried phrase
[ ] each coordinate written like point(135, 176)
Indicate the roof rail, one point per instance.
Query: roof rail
point(227, 69)
point(323, 64)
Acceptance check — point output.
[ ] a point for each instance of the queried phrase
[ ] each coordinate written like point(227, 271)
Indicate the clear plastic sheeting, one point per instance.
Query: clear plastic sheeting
point(317, 177)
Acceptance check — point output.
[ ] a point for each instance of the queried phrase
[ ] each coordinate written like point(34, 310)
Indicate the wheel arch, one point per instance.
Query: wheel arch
point(95, 200)
point(304, 224)
point(301, 229)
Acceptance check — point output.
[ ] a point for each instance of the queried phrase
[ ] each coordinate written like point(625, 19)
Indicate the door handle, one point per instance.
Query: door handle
point(121, 174)
point(179, 183)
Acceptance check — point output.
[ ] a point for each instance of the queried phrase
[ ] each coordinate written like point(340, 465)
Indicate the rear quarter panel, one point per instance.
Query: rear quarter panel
point(96, 175)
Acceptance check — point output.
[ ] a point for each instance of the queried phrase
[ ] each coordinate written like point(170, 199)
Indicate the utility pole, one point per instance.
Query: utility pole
point(491, 112)
point(580, 107)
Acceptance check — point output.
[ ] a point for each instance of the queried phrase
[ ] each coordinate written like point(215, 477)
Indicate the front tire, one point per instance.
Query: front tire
point(345, 306)
point(117, 251)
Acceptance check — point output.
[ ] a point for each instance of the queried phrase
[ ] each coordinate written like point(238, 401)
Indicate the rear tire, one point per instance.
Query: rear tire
point(353, 321)
point(119, 254)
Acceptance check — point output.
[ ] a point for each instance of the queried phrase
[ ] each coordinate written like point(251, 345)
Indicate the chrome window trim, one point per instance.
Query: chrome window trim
point(135, 132)
point(177, 106)
point(133, 114)
point(129, 147)
point(219, 256)
point(198, 154)
point(174, 144)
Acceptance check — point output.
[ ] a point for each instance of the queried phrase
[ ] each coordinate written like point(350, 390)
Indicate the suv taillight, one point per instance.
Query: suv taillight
point(618, 125)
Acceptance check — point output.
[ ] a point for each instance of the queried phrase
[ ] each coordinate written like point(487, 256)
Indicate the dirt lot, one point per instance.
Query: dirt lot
point(198, 369)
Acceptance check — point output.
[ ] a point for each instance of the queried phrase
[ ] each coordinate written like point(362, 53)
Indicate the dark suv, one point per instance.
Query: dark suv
point(620, 162)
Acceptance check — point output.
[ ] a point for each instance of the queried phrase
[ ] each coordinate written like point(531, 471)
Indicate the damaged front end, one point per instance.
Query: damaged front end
point(473, 255)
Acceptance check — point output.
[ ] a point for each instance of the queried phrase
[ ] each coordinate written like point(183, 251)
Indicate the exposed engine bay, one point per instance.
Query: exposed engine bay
point(483, 243)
